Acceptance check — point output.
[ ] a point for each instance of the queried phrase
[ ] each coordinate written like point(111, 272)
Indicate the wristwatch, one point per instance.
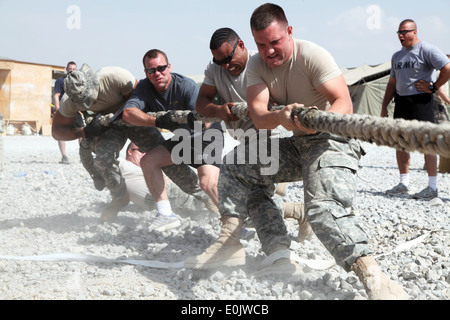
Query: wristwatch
point(432, 87)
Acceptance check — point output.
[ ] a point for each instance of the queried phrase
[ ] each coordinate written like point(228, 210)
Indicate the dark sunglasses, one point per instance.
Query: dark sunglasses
point(228, 58)
point(403, 32)
point(158, 68)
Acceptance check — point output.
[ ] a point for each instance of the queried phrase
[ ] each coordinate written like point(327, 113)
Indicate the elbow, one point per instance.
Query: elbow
point(258, 124)
point(126, 115)
point(199, 108)
point(261, 124)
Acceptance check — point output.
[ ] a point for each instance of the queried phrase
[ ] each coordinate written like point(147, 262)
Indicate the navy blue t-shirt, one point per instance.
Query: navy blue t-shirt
point(59, 87)
point(181, 95)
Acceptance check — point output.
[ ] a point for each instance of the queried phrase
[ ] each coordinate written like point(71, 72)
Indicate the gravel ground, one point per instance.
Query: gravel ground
point(48, 208)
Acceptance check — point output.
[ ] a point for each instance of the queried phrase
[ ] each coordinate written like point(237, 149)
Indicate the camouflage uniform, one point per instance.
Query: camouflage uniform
point(83, 95)
point(328, 166)
point(236, 206)
point(107, 149)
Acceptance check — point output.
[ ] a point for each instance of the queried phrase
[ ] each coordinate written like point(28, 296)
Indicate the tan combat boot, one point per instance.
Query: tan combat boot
point(227, 251)
point(378, 286)
point(112, 210)
point(279, 264)
point(297, 211)
point(211, 206)
point(281, 189)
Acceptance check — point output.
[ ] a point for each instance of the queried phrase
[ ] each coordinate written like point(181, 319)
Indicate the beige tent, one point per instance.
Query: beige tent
point(367, 85)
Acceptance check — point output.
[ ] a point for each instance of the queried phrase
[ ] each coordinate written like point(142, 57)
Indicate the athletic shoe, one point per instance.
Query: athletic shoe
point(64, 160)
point(164, 223)
point(398, 189)
point(426, 194)
point(281, 268)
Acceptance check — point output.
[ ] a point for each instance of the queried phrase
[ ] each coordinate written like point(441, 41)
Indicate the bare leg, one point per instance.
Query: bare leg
point(209, 177)
point(431, 164)
point(151, 165)
point(403, 161)
point(62, 147)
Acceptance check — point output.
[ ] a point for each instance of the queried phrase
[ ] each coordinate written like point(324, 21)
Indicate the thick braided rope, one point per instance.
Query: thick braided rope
point(180, 116)
point(406, 135)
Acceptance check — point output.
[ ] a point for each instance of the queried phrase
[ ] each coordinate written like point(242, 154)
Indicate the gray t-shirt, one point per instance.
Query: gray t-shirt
point(230, 89)
point(416, 63)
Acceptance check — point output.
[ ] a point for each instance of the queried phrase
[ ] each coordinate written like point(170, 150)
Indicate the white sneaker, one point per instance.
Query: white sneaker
point(164, 223)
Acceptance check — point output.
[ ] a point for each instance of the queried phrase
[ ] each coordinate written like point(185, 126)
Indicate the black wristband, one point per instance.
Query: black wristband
point(433, 88)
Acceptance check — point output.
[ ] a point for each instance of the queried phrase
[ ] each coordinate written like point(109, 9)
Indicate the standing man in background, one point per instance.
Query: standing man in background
point(57, 96)
point(413, 84)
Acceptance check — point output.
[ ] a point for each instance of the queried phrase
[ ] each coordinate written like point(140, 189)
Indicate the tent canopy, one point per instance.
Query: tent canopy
point(367, 85)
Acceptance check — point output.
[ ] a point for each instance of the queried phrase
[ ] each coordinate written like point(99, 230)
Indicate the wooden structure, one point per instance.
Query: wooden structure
point(26, 92)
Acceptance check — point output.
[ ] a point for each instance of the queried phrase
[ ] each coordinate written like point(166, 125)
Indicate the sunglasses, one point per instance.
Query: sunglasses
point(228, 58)
point(158, 68)
point(403, 32)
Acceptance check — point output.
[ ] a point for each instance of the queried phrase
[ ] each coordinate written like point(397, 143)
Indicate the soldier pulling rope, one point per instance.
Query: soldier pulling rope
point(407, 135)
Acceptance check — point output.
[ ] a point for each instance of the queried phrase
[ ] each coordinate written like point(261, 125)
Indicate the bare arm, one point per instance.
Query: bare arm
point(62, 128)
point(137, 117)
point(337, 94)
point(444, 76)
point(335, 90)
point(443, 95)
point(388, 96)
point(207, 108)
point(258, 97)
point(56, 99)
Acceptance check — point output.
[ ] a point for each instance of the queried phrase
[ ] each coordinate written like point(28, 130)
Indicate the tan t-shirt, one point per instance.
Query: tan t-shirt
point(297, 80)
point(116, 84)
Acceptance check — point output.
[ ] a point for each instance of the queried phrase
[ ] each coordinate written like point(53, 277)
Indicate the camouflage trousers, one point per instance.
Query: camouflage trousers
point(107, 149)
point(236, 205)
point(328, 165)
point(104, 164)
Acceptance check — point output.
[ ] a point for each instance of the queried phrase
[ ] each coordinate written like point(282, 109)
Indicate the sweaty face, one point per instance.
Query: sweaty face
point(159, 79)
point(237, 64)
point(274, 43)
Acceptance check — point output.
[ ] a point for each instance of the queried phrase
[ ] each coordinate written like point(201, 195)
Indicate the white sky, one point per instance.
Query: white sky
point(104, 33)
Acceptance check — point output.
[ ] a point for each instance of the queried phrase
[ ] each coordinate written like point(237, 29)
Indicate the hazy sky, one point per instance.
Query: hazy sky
point(104, 33)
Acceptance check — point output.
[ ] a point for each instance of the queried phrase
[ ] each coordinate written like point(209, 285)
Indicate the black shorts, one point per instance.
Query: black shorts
point(196, 146)
point(416, 107)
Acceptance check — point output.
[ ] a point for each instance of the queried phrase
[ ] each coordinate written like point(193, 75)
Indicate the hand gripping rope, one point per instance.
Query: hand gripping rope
point(406, 135)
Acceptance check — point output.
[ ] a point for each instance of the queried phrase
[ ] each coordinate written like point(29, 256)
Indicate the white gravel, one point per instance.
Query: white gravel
point(47, 208)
